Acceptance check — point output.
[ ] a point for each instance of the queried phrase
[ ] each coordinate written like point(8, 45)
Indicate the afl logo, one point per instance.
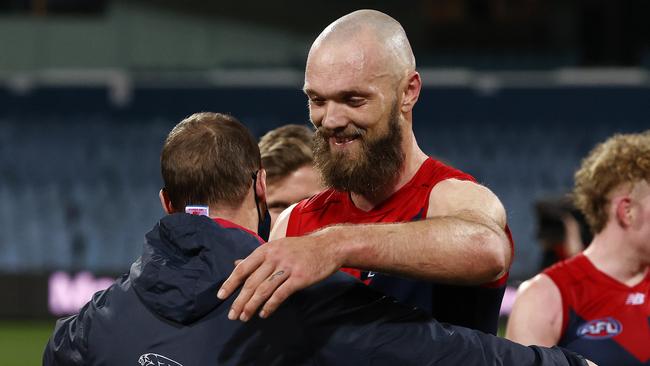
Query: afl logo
point(600, 329)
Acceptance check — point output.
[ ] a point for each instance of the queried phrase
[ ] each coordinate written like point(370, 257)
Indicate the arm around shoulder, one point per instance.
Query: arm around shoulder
point(462, 241)
point(536, 317)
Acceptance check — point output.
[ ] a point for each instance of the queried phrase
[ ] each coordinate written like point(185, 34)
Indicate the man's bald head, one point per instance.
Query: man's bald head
point(378, 34)
point(362, 86)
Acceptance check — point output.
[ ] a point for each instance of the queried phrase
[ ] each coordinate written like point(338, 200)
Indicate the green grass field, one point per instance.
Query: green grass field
point(22, 342)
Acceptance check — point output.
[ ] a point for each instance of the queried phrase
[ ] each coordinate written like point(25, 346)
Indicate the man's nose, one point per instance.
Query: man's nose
point(334, 117)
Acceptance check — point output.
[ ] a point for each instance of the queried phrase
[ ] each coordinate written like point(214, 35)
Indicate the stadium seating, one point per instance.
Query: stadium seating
point(78, 191)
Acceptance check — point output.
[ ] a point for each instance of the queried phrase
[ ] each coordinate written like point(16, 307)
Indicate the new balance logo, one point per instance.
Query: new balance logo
point(636, 298)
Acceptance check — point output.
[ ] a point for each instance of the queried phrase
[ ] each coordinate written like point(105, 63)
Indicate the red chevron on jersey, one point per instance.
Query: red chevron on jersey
point(603, 319)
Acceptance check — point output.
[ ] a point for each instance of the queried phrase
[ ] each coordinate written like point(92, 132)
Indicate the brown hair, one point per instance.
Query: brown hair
point(208, 158)
point(623, 158)
point(285, 149)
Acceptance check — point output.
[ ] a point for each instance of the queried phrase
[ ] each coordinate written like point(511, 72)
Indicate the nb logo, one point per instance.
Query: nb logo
point(366, 276)
point(153, 359)
point(600, 329)
point(637, 298)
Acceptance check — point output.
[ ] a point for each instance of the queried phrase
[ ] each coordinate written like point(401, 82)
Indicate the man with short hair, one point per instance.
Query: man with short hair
point(164, 311)
point(288, 160)
point(596, 303)
point(425, 233)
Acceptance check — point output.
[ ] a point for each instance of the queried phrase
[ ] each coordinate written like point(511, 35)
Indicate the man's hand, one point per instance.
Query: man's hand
point(276, 270)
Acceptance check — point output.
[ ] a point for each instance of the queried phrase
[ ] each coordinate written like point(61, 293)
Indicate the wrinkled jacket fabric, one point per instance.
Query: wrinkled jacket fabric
point(165, 312)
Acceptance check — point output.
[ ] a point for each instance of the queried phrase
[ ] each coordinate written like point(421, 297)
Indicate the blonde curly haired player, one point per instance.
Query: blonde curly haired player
point(596, 303)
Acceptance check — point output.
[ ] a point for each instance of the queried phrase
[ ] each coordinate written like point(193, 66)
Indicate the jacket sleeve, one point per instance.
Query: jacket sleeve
point(68, 345)
point(468, 347)
point(347, 322)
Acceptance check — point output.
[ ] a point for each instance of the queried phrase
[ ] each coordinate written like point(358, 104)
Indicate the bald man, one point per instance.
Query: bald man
point(399, 220)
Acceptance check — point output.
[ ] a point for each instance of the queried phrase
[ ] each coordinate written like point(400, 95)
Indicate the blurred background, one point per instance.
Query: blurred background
point(516, 92)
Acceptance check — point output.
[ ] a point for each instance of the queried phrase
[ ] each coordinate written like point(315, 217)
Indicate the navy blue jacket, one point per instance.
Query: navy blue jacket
point(165, 312)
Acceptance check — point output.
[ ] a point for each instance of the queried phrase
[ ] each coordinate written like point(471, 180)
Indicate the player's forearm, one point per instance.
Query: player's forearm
point(444, 249)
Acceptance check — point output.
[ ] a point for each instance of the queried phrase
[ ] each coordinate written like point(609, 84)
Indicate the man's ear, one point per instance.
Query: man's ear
point(165, 201)
point(260, 186)
point(624, 212)
point(411, 92)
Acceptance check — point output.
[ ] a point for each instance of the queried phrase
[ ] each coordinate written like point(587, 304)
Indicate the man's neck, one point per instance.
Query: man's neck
point(414, 158)
point(245, 217)
point(612, 255)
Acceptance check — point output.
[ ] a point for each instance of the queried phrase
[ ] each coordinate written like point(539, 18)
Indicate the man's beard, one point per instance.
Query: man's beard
point(376, 168)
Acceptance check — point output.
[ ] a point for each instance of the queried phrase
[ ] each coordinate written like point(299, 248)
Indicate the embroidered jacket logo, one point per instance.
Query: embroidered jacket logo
point(600, 329)
point(154, 359)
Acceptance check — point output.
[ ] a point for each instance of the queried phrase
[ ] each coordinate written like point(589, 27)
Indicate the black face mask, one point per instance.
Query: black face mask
point(263, 220)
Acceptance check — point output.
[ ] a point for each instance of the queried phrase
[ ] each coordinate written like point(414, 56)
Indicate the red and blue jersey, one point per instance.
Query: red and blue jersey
point(603, 319)
point(471, 306)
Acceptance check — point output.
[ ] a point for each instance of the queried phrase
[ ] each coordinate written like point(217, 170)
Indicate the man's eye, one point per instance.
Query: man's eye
point(356, 102)
point(316, 101)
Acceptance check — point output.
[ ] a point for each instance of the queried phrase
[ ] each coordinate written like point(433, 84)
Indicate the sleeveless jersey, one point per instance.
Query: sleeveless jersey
point(471, 306)
point(603, 319)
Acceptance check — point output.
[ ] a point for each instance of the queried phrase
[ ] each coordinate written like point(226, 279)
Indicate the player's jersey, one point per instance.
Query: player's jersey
point(471, 306)
point(603, 319)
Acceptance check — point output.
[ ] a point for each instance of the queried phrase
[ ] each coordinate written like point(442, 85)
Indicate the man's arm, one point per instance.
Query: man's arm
point(354, 324)
point(462, 241)
point(536, 317)
point(68, 343)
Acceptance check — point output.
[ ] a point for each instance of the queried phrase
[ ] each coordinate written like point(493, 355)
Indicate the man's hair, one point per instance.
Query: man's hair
point(209, 158)
point(623, 158)
point(285, 150)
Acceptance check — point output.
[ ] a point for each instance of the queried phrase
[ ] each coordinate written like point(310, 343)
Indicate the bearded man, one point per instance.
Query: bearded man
point(402, 222)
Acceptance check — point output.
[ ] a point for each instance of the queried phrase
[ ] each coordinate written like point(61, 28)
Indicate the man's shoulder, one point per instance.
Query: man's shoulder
point(567, 272)
point(344, 294)
point(320, 201)
point(435, 178)
point(436, 171)
point(315, 212)
point(540, 287)
point(70, 340)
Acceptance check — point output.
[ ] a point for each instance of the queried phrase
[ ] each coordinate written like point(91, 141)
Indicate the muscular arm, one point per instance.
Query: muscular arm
point(461, 241)
point(536, 317)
